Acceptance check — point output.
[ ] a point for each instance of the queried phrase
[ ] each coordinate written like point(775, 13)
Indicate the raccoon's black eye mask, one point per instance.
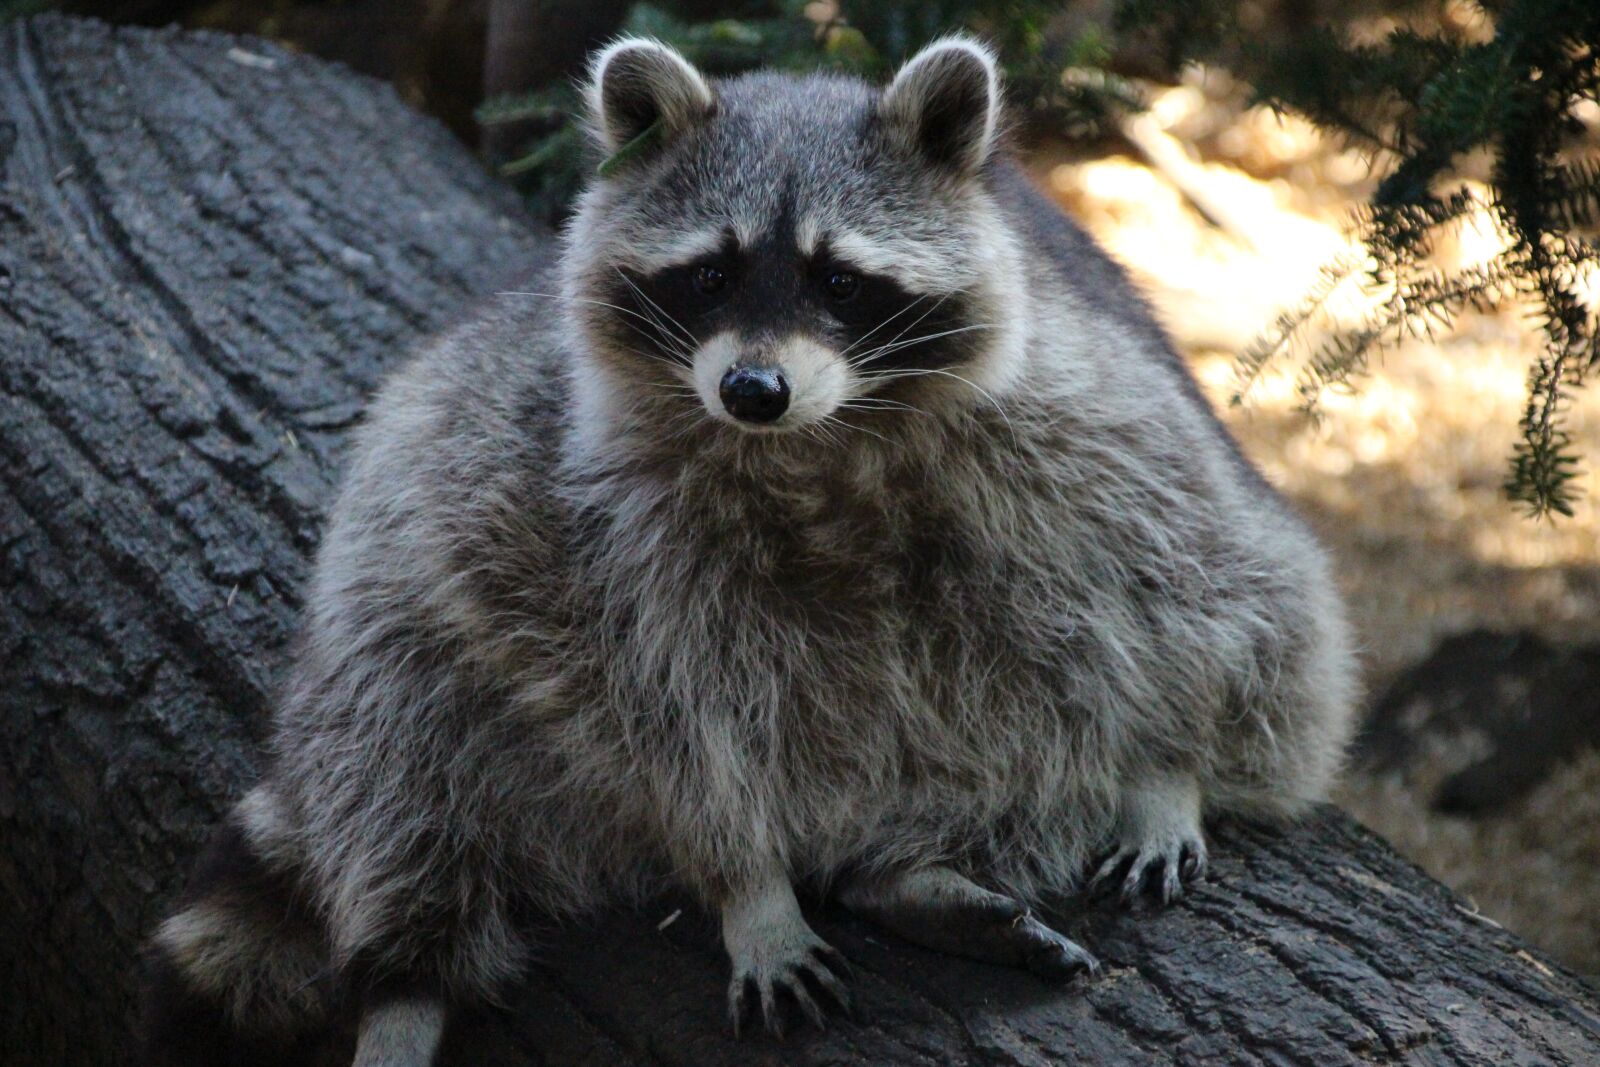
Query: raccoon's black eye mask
point(882, 325)
point(877, 322)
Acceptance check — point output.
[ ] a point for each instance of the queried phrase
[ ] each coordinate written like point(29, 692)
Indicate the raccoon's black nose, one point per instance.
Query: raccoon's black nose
point(754, 394)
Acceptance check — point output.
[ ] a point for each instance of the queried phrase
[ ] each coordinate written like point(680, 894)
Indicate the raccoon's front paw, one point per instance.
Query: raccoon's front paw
point(1151, 871)
point(780, 964)
point(1159, 848)
point(771, 982)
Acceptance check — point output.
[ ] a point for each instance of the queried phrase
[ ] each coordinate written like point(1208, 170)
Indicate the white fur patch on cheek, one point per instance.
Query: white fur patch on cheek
point(655, 251)
point(818, 380)
point(924, 266)
point(712, 360)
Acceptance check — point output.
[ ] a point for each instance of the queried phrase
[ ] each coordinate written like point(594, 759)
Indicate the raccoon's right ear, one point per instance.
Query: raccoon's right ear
point(636, 83)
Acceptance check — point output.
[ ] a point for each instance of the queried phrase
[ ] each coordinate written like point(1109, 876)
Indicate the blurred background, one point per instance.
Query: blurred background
point(1369, 227)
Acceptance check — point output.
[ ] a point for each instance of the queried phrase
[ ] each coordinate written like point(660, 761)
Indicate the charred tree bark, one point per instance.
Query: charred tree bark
point(210, 251)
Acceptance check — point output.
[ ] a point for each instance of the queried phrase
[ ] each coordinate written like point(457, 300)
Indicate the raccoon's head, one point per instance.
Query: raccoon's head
point(775, 251)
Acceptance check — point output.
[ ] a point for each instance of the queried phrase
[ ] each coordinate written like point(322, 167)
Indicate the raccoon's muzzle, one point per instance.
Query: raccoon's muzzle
point(754, 394)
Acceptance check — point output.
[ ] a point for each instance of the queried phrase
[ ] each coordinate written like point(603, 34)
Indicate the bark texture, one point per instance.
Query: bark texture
point(210, 251)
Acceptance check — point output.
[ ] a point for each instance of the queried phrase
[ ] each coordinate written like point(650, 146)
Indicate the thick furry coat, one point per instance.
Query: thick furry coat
point(571, 637)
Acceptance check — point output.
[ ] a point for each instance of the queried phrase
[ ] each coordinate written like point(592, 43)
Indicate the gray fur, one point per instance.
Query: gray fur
point(572, 639)
point(633, 83)
point(400, 1032)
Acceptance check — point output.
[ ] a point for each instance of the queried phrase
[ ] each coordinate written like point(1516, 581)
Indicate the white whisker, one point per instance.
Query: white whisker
point(835, 420)
point(882, 324)
point(892, 346)
point(863, 357)
point(919, 372)
point(684, 332)
point(873, 403)
point(674, 348)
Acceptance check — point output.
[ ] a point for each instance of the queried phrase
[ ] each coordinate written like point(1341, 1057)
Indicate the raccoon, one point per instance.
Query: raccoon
point(829, 513)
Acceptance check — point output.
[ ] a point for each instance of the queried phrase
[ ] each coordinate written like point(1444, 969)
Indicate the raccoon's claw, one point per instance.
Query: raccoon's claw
point(942, 910)
point(1158, 848)
point(1155, 871)
point(779, 962)
point(1000, 930)
point(818, 974)
point(1048, 954)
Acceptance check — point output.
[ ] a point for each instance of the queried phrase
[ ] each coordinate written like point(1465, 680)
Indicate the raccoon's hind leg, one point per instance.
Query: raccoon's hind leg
point(938, 908)
point(239, 974)
point(399, 1029)
point(1158, 847)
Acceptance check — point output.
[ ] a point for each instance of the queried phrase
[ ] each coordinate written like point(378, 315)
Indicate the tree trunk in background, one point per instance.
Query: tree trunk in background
point(532, 43)
point(210, 252)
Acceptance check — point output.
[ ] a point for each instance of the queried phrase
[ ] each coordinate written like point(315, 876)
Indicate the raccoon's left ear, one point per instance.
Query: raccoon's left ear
point(946, 100)
point(636, 83)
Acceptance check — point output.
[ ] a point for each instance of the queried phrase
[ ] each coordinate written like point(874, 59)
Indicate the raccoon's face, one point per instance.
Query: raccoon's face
point(778, 252)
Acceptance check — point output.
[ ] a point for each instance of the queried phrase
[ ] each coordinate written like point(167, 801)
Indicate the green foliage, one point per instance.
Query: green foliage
point(1427, 98)
point(1433, 101)
point(1058, 81)
point(550, 169)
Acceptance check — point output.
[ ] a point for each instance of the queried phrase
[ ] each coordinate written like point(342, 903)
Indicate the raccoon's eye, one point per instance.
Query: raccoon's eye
point(842, 285)
point(709, 280)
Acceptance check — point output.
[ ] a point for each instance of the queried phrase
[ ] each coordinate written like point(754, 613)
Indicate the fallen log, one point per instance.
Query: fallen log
point(210, 252)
